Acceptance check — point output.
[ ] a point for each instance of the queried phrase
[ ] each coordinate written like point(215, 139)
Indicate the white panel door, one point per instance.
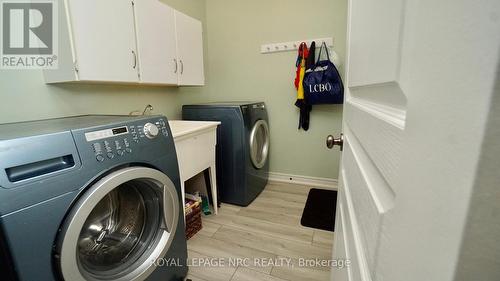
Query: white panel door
point(155, 27)
point(419, 79)
point(104, 40)
point(189, 50)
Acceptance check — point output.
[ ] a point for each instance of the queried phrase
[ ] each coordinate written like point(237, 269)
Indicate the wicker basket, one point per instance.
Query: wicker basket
point(193, 219)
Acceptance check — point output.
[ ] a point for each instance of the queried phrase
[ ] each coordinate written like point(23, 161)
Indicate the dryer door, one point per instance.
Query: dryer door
point(120, 226)
point(259, 143)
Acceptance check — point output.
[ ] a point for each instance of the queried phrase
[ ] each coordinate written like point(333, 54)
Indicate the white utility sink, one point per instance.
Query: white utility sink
point(195, 145)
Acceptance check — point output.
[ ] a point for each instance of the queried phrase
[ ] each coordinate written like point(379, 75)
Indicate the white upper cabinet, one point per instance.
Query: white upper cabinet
point(189, 50)
point(104, 40)
point(120, 41)
point(155, 26)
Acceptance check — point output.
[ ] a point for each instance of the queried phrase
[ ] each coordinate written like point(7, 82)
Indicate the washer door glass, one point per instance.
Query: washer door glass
point(120, 228)
point(259, 143)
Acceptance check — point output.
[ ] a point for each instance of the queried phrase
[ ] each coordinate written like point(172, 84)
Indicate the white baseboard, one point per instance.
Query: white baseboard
point(304, 180)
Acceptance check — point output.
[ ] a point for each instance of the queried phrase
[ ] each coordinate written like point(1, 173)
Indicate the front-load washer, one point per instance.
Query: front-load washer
point(242, 147)
point(91, 198)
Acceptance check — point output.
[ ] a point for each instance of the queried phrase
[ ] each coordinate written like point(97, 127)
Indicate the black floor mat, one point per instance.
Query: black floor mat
point(319, 211)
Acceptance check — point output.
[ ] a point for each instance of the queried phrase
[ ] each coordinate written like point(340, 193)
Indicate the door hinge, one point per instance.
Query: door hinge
point(76, 66)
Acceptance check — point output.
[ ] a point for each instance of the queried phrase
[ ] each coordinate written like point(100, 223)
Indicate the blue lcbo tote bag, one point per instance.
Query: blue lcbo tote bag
point(323, 84)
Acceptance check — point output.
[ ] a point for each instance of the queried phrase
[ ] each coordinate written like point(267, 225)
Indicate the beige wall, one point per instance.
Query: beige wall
point(25, 96)
point(238, 71)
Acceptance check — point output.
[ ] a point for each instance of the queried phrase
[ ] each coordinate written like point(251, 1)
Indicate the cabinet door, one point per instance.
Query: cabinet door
point(104, 40)
point(189, 50)
point(155, 26)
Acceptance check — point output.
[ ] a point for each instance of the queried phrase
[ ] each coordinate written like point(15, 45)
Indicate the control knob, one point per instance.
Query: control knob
point(151, 130)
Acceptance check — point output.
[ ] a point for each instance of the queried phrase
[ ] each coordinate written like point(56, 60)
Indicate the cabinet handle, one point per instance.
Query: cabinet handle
point(182, 67)
point(135, 59)
point(176, 66)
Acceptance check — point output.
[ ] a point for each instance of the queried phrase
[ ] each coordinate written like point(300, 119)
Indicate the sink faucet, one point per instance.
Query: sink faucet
point(148, 108)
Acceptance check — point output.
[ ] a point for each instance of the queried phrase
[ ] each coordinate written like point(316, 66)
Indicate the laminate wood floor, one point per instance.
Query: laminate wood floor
point(263, 241)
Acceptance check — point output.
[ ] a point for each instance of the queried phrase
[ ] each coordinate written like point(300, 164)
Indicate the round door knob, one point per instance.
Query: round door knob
point(331, 141)
point(151, 130)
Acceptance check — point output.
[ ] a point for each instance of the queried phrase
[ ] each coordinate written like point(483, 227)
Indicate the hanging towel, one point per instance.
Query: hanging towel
point(303, 53)
point(307, 108)
point(300, 102)
point(302, 72)
point(311, 58)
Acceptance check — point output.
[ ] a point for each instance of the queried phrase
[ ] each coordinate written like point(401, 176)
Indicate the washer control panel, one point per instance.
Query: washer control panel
point(121, 141)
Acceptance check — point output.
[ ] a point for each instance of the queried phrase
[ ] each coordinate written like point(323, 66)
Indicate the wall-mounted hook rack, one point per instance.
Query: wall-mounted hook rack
point(293, 45)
